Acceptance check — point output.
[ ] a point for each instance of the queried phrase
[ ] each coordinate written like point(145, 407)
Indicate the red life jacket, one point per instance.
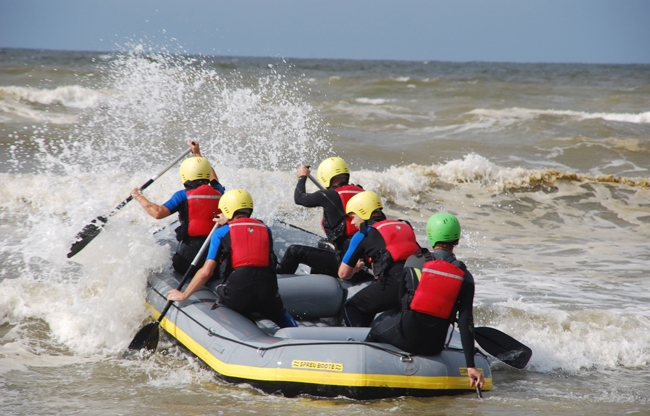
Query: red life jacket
point(399, 238)
point(438, 289)
point(202, 206)
point(250, 243)
point(346, 192)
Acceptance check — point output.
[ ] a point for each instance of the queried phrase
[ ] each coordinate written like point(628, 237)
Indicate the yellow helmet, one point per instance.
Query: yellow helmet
point(330, 168)
point(234, 200)
point(364, 204)
point(194, 168)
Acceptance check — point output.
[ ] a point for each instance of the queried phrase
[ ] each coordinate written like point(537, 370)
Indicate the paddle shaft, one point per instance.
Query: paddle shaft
point(318, 184)
point(92, 229)
point(147, 336)
point(190, 270)
point(150, 181)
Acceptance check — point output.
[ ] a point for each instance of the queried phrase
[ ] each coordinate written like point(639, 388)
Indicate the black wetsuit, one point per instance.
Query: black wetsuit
point(381, 295)
point(320, 260)
point(247, 290)
point(419, 333)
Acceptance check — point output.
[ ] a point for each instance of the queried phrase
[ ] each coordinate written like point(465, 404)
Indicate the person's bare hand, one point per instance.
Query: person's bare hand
point(303, 171)
point(175, 295)
point(475, 377)
point(194, 146)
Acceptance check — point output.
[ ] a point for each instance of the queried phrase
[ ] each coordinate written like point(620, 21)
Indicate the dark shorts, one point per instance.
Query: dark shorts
point(185, 254)
point(410, 331)
point(250, 290)
point(377, 297)
point(321, 261)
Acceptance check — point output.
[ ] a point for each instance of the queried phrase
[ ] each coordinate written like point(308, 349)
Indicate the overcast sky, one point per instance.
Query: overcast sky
point(590, 31)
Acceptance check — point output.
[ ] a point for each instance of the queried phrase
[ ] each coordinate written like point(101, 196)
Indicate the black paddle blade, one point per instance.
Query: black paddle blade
point(503, 347)
point(86, 235)
point(146, 338)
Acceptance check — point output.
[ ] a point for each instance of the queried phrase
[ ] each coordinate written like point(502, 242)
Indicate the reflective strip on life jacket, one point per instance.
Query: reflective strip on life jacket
point(250, 243)
point(438, 289)
point(399, 238)
point(202, 207)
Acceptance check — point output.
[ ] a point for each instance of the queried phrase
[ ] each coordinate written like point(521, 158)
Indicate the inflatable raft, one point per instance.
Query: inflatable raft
point(315, 358)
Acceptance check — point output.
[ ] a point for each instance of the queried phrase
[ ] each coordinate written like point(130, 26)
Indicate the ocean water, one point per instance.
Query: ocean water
point(545, 165)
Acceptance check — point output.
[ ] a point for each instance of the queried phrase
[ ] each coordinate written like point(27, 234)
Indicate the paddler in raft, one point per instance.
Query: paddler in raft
point(387, 243)
point(196, 205)
point(242, 248)
point(435, 287)
point(336, 190)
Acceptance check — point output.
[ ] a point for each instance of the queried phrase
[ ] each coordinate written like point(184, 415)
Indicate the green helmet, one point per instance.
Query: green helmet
point(443, 227)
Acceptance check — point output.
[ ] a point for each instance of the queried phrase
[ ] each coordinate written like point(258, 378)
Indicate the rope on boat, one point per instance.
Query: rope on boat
point(405, 357)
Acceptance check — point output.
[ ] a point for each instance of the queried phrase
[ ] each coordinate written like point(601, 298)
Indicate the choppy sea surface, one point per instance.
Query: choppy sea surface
point(546, 166)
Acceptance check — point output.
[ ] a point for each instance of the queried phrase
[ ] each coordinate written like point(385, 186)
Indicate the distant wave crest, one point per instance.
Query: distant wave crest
point(71, 96)
point(527, 114)
point(476, 168)
point(405, 185)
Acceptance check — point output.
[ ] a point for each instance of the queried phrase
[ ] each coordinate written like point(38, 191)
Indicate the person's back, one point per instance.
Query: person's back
point(387, 243)
point(244, 246)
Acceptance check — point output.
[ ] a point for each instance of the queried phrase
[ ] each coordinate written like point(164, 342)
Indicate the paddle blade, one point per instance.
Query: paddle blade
point(86, 235)
point(146, 338)
point(503, 347)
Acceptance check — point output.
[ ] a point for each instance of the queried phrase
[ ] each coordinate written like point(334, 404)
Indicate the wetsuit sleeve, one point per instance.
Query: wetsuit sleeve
point(466, 318)
point(217, 185)
point(217, 237)
point(178, 198)
point(301, 197)
point(355, 249)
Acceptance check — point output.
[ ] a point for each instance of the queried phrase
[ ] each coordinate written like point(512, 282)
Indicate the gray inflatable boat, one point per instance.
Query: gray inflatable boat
point(315, 358)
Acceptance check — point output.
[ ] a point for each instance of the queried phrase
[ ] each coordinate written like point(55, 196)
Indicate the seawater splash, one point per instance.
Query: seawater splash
point(573, 341)
point(252, 126)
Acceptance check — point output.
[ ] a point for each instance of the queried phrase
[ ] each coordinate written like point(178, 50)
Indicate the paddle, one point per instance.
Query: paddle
point(91, 230)
point(147, 337)
point(318, 184)
point(503, 347)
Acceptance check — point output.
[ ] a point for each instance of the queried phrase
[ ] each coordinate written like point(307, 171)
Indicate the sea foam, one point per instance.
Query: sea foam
point(510, 115)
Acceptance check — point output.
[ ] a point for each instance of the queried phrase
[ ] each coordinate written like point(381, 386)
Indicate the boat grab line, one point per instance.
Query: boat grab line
point(404, 357)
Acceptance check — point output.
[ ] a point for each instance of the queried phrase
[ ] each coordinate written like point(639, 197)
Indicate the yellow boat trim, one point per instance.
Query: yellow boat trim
point(317, 377)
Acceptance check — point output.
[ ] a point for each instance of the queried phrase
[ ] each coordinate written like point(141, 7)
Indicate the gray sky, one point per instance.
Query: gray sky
point(590, 31)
